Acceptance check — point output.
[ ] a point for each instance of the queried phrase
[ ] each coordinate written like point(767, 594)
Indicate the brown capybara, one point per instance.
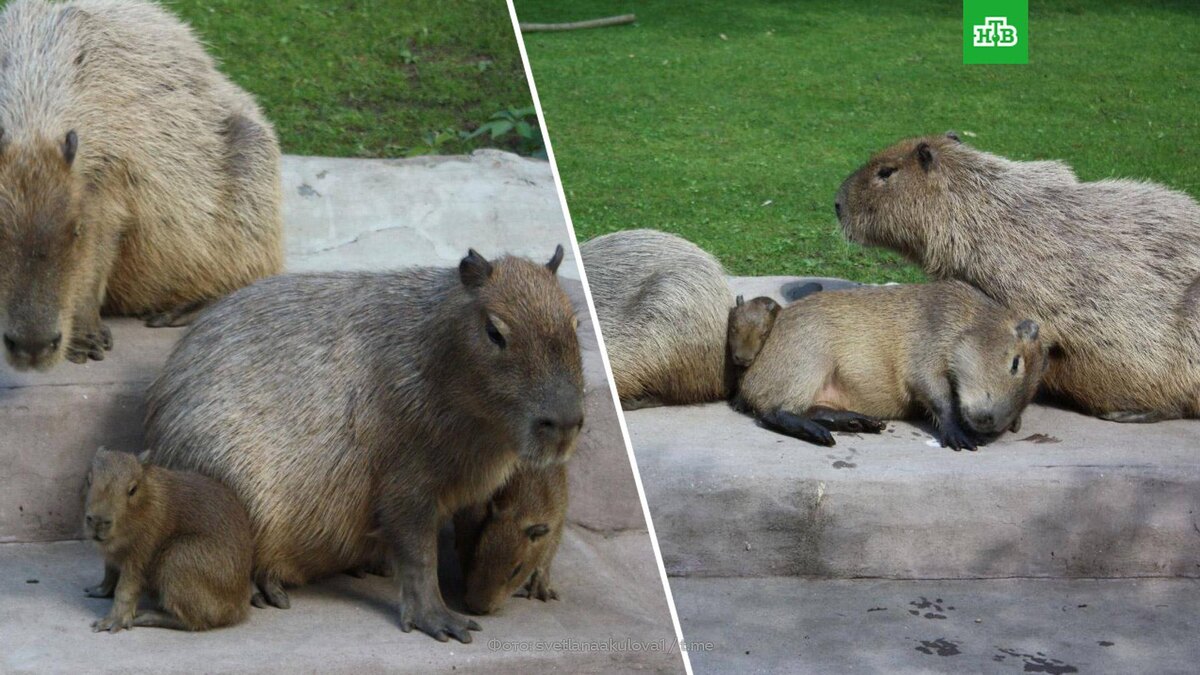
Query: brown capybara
point(506, 546)
point(177, 535)
point(749, 325)
point(345, 408)
point(135, 179)
point(663, 306)
point(1111, 267)
point(843, 360)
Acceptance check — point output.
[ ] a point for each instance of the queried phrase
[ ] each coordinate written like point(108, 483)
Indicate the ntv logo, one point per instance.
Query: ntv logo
point(995, 32)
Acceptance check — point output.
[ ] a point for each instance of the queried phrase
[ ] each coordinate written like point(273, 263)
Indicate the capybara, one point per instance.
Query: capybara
point(345, 408)
point(749, 325)
point(506, 546)
point(1111, 267)
point(177, 535)
point(135, 179)
point(663, 305)
point(843, 360)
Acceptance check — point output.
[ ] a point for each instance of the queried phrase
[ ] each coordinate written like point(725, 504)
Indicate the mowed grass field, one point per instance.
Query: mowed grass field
point(369, 78)
point(733, 123)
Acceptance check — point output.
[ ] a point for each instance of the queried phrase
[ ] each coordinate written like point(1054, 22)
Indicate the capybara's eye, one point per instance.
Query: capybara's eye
point(886, 171)
point(515, 572)
point(1016, 364)
point(495, 335)
point(133, 489)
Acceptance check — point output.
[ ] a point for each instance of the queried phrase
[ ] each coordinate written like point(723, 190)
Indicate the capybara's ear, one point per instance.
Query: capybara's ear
point(535, 532)
point(70, 146)
point(953, 135)
point(741, 300)
point(474, 269)
point(924, 155)
point(1027, 330)
point(555, 260)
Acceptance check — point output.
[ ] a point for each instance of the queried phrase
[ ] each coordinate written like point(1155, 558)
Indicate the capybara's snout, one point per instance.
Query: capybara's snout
point(556, 424)
point(98, 526)
point(31, 348)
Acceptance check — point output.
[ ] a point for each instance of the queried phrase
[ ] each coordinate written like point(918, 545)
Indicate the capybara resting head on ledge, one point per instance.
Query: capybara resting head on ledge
point(1111, 268)
point(663, 306)
point(346, 408)
point(845, 360)
point(134, 177)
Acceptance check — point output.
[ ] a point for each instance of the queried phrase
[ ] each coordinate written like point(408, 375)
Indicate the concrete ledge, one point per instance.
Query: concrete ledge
point(609, 586)
point(1069, 496)
point(999, 626)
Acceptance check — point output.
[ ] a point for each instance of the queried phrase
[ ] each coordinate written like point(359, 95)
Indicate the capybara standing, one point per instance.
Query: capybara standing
point(1111, 267)
point(177, 535)
point(344, 408)
point(842, 360)
point(134, 177)
point(663, 305)
point(506, 546)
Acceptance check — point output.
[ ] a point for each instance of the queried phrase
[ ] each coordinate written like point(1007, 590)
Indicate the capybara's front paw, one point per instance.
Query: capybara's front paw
point(957, 439)
point(438, 622)
point(89, 343)
point(100, 590)
point(114, 623)
point(537, 588)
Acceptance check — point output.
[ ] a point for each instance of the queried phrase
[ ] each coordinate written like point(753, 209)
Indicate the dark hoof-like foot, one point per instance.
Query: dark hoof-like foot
point(846, 420)
point(957, 439)
point(89, 345)
point(441, 624)
point(100, 591)
point(797, 426)
point(271, 593)
point(177, 316)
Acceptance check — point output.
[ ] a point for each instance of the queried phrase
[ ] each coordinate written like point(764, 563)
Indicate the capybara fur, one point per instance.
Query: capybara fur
point(1110, 267)
point(506, 546)
point(663, 306)
point(749, 325)
point(135, 179)
point(177, 535)
point(844, 360)
point(346, 408)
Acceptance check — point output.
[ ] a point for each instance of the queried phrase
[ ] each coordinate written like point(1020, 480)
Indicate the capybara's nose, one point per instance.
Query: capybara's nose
point(564, 422)
point(32, 347)
point(98, 524)
point(983, 421)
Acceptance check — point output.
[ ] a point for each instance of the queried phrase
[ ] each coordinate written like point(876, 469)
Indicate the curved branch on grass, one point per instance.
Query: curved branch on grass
point(578, 25)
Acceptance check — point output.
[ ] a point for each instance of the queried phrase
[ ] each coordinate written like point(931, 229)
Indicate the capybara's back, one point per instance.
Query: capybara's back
point(137, 177)
point(663, 305)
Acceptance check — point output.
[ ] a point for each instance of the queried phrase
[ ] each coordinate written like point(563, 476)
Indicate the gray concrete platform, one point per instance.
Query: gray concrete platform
point(347, 625)
point(1068, 496)
point(788, 625)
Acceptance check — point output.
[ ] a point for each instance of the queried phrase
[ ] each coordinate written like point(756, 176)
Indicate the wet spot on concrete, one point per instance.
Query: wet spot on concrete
point(307, 190)
point(1041, 438)
point(935, 608)
point(1105, 643)
point(31, 581)
point(1040, 663)
point(322, 175)
point(939, 647)
point(844, 465)
point(877, 609)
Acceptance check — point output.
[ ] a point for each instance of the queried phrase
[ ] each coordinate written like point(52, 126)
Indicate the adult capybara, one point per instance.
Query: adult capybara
point(134, 177)
point(843, 360)
point(663, 305)
point(1111, 267)
point(506, 546)
point(346, 408)
point(178, 535)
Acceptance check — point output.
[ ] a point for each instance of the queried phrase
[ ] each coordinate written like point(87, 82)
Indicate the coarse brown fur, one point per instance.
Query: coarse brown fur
point(134, 177)
point(347, 407)
point(663, 305)
point(506, 546)
point(843, 360)
point(178, 535)
point(1111, 267)
point(750, 324)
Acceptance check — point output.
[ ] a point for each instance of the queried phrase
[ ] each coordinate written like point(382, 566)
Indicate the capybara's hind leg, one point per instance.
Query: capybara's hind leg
point(640, 402)
point(177, 316)
point(269, 592)
point(797, 426)
point(845, 420)
point(153, 618)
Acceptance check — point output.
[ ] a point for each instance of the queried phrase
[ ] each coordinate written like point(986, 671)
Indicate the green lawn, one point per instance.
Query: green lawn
point(369, 78)
point(733, 123)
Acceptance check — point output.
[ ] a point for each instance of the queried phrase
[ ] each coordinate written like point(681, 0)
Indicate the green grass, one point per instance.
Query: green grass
point(369, 78)
point(733, 123)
